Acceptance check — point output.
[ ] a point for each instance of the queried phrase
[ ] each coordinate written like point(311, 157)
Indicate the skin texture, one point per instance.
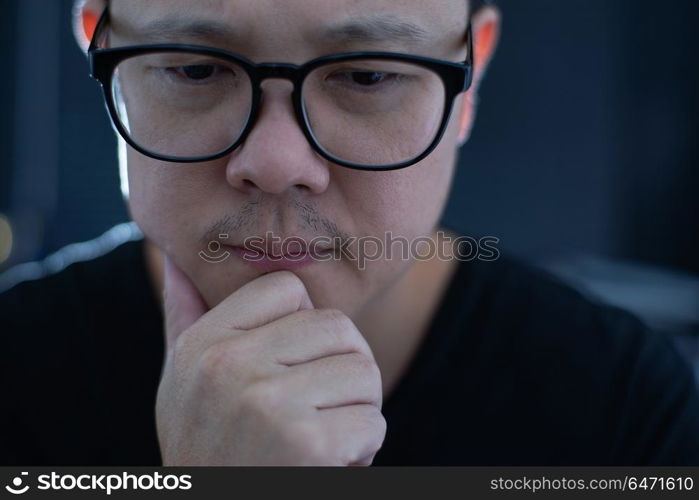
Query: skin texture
point(289, 190)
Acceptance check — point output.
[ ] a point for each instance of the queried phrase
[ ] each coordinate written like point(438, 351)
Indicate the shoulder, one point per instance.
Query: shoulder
point(80, 324)
point(65, 285)
point(581, 368)
point(105, 248)
point(530, 305)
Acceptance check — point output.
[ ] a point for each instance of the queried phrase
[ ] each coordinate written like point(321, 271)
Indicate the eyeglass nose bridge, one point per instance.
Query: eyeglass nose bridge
point(284, 71)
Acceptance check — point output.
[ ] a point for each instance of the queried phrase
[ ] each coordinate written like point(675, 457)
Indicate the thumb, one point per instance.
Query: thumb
point(183, 305)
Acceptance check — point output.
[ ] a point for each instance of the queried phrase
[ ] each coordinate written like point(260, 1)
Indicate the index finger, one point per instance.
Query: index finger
point(261, 301)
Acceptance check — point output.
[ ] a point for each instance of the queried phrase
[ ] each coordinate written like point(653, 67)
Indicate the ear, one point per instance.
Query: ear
point(86, 13)
point(486, 33)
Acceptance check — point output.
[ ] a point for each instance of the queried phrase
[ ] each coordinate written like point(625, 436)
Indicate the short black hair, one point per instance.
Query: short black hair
point(474, 5)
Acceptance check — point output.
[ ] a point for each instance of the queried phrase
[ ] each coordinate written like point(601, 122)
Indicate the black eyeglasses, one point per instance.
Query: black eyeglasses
point(362, 110)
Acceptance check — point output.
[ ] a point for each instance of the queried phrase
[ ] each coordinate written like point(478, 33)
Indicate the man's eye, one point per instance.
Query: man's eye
point(364, 78)
point(198, 72)
point(368, 78)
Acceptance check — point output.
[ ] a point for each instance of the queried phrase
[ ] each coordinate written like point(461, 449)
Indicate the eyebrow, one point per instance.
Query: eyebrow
point(173, 28)
point(382, 28)
point(370, 29)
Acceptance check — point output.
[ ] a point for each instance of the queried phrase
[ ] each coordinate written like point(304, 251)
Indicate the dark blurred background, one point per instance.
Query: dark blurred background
point(583, 159)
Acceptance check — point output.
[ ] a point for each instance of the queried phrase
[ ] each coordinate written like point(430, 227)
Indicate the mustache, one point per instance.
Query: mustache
point(237, 226)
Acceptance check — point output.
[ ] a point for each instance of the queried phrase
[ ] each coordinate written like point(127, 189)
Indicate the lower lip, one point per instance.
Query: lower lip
point(268, 264)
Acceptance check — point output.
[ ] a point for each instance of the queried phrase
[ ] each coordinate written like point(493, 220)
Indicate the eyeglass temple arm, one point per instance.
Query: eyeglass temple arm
point(97, 34)
point(469, 58)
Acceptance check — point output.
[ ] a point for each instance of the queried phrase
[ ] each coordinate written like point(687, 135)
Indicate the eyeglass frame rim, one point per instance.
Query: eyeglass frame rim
point(456, 77)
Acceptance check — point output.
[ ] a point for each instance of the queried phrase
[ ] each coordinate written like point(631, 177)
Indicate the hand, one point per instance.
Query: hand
point(263, 378)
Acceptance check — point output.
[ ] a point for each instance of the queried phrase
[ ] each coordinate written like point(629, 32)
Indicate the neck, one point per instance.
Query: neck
point(394, 324)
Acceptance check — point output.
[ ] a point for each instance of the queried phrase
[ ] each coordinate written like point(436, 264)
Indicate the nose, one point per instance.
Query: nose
point(276, 155)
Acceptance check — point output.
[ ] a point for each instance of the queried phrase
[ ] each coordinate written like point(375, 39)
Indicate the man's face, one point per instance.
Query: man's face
point(275, 183)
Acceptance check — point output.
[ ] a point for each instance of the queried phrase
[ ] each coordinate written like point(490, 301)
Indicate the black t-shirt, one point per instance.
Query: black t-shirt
point(516, 369)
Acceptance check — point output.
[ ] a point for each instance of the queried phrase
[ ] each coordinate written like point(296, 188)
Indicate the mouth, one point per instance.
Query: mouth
point(270, 257)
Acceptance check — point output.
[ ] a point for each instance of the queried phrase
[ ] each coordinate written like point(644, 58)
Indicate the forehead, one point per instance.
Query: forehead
point(433, 12)
point(284, 22)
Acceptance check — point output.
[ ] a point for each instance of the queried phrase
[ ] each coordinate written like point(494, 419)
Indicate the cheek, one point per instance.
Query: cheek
point(409, 202)
point(406, 203)
point(161, 197)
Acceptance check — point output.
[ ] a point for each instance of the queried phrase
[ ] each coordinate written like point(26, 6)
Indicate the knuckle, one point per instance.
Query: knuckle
point(213, 363)
point(344, 332)
point(370, 427)
point(336, 318)
point(288, 281)
point(380, 434)
point(379, 423)
point(309, 442)
point(339, 325)
point(364, 364)
point(370, 372)
point(375, 425)
point(262, 397)
point(240, 348)
point(235, 350)
point(181, 347)
point(219, 359)
point(367, 367)
point(376, 441)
